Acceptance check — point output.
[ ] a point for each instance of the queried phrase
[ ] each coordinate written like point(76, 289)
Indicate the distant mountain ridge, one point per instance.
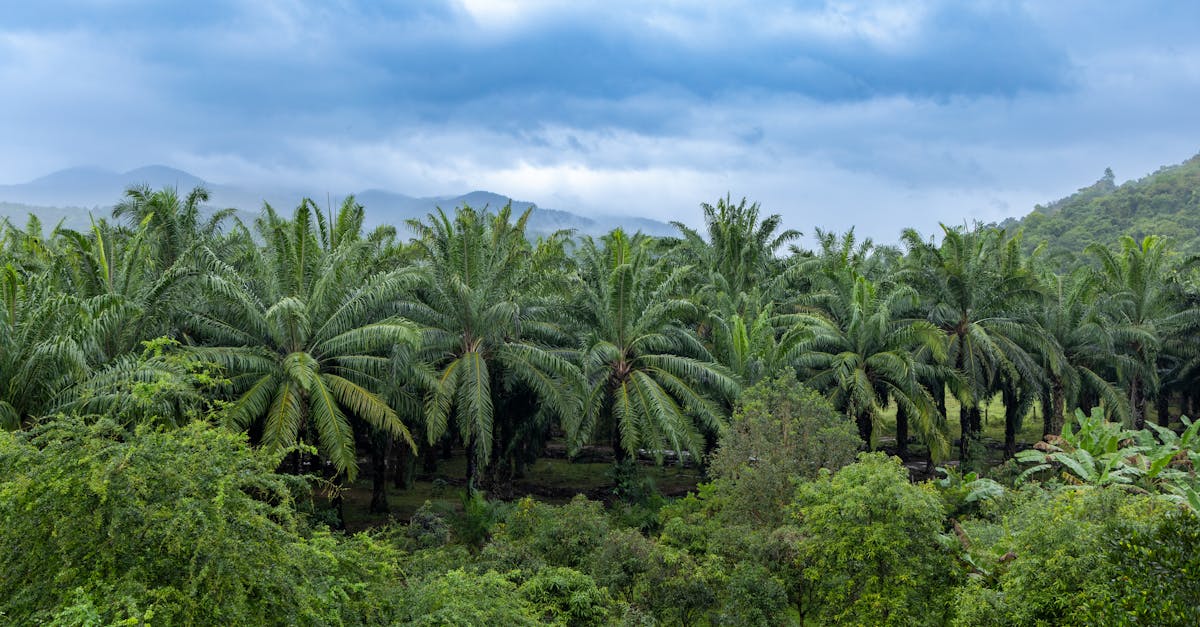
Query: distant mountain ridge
point(70, 195)
point(1164, 203)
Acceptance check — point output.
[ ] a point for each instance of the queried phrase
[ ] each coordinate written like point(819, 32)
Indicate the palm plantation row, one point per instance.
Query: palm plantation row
point(308, 330)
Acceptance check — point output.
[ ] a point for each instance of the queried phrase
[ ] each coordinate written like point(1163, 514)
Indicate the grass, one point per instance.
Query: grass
point(557, 480)
point(548, 479)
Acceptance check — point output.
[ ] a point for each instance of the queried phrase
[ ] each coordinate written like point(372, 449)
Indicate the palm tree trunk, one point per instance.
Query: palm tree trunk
point(619, 452)
point(1010, 430)
point(406, 466)
point(865, 425)
point(971, 420)
point(1162, 407)
point(901, 430)
point(1137, 405)
point(472, 468)
point(1058, 408)
point(380, 450)
point(1047, 422)
point(429, 458)
point(964, 442)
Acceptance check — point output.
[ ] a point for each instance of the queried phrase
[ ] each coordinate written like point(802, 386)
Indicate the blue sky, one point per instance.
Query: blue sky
point(878, 115)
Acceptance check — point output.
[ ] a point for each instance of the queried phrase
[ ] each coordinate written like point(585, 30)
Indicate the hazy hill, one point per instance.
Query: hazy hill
point(70, 195)
point(1165, 203)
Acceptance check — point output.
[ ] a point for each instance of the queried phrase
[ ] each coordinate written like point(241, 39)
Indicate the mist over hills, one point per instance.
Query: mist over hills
point(72, 194)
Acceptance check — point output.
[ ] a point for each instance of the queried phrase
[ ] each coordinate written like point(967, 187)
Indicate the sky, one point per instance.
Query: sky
point(873, 115)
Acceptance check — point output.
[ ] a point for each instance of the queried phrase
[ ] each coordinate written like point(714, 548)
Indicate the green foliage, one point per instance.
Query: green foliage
point(566, 596)
point(1164, 203)
point(780, 431)
point(1044, 561)
point(873, 546)
point(1155, 568)
point(566, 535)
point(306, 333)
point(965, 492)
point(1099, 452)
point(182, 527)
point(458, 597)
point(649, 379)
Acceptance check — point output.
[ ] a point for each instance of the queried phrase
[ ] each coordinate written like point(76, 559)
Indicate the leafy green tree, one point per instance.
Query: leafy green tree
point(492, 315)
point(461, 598)
point(873, 547)
point(304, 336)
point(649, 378)
point(780, 431)
point(187, 526)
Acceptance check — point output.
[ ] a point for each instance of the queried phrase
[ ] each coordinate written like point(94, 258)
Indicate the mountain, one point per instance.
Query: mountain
point(70, 195)
point(1165, 203)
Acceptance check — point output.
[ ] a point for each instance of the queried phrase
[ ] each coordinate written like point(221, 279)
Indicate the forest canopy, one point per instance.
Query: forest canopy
point(955, 430)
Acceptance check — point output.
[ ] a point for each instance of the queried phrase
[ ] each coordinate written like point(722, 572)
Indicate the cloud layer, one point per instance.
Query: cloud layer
point(836, 114)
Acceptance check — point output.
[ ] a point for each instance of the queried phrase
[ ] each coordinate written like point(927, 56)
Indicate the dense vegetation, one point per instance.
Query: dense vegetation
point(187, 399)
point(1165, 203)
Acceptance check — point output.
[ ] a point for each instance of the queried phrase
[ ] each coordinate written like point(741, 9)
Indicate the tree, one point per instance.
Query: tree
point(491, 313)
point(975, 284)
point(304, 335)
point(1082, 353)
point(1142, 306)
point(40, 354)
point(176, 222)
point(863, 351)
point(740, 252)
point(648, 376)
point(871, 546)
point(187, 526)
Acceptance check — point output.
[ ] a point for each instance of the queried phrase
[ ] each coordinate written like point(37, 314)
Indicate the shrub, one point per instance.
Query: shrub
point(873, 547)
point(188, 526)
point(780, 430)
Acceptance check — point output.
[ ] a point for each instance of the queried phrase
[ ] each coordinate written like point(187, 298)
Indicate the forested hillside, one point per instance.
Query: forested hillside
point(304, 421)
point(1165, 203)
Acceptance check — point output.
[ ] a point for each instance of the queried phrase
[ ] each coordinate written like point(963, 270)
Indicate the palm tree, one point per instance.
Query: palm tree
point(492, 313)
point(649, 378)
point(864, 351)
point(40, 354)
point(739, 254)
point(757, 344)
point(975, 284)
point(1142, 305)
point(305, 335)
point(1082, 353)
point(177, 222)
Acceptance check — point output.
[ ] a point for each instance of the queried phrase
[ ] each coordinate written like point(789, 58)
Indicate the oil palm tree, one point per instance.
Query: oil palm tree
point(492, 316)
point(649, 378)
point(977, 289)
point(1082, 358)
point(305, 335)
point(739, 253)
point(40, 351)
point(1142, 305)
point(865, 349)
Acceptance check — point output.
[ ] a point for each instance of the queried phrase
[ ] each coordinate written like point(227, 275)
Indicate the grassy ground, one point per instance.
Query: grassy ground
point(993, 428)
point(557, 480)
point(550, 480)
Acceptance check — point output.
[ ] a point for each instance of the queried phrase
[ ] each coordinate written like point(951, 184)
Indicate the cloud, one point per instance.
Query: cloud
point(879, 114)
